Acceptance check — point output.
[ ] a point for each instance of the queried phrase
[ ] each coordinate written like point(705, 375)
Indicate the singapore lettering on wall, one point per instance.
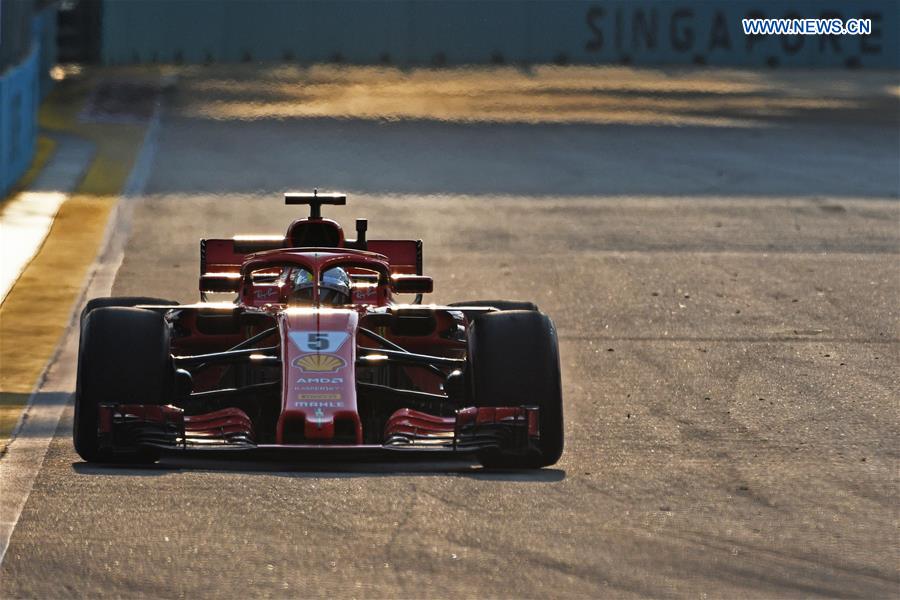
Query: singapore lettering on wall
point(701, 33)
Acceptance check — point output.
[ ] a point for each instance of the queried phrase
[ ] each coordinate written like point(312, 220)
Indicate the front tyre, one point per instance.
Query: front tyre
point(514, 361)
point(123, 358)
point(123, 301)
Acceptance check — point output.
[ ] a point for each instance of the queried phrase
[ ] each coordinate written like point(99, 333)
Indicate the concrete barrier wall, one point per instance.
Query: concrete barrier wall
point(642, 32)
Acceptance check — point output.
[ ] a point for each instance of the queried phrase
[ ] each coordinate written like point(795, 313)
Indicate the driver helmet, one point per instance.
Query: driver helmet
point(302, 284)
point(335, 287)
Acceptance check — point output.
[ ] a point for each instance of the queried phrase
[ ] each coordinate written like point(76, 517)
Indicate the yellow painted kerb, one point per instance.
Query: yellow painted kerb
point(36, 311)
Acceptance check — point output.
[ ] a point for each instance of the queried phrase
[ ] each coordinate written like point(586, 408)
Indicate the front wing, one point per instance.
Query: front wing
point(127, 428)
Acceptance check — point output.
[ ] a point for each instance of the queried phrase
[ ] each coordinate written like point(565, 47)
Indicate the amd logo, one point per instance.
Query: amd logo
point(305, 380)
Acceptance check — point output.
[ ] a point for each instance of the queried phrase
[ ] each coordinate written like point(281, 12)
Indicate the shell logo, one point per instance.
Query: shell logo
point(320, 363)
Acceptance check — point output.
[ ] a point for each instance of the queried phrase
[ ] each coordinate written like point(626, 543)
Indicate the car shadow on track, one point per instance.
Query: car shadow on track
point(325, 469)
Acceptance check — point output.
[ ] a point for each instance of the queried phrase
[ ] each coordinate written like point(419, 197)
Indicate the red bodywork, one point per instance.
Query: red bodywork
point(325, 363)
point(314, 398)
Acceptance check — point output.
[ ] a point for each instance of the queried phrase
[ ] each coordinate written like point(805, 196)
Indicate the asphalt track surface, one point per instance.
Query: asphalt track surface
point(726, 299)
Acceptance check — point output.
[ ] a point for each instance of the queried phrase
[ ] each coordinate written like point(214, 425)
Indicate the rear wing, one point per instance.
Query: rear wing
point(227, 255)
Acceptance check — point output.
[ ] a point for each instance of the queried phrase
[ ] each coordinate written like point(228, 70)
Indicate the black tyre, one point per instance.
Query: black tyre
point(123, 357)
point(123, 301)
point(500, 304)
point(514, 361)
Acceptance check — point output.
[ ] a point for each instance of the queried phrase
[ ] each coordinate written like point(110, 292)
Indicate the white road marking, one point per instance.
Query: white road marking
point(25, 454)
point(23, 226)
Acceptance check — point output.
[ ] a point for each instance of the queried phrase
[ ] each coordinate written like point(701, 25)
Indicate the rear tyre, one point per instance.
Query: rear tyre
point(123, 358)
point(514, 361)
point(500, 304)
point(123, 301)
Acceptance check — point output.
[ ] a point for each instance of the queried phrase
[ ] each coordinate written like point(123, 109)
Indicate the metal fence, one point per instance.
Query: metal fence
point(15, 31)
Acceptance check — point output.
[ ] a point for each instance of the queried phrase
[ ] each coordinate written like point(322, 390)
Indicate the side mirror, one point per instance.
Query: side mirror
point(412, 284)
point(220, 282)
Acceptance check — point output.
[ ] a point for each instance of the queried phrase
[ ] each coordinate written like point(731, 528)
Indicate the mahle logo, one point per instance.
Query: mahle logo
point(318, 405)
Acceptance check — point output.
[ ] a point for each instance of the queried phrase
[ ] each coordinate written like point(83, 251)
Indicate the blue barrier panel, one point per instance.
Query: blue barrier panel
point(641, 32)
point(22, 87)
point(19, 93)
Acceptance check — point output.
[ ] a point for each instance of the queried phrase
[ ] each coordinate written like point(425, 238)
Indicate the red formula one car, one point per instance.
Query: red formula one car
point(316, 355)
